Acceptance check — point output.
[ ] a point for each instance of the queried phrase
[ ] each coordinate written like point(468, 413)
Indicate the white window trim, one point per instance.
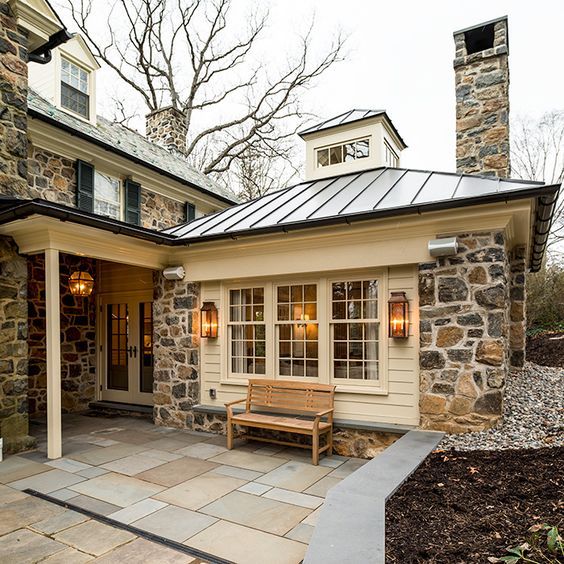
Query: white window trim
point(121, 192)
point(323, 281)
point(341, 144)
point(59, 77)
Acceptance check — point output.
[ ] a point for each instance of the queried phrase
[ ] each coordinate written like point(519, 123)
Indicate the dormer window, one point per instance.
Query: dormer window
point(74, 89)
point(343, 153)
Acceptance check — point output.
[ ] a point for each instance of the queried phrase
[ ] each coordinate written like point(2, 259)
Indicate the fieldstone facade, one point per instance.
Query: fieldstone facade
point(51, 177)
point(464, 308)
point(166, 127)
point(159, 212)
point(482, 104)
point(176, 387)
point(78, 337)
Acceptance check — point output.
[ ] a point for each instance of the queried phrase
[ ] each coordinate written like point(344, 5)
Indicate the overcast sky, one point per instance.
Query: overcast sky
point(399, 57)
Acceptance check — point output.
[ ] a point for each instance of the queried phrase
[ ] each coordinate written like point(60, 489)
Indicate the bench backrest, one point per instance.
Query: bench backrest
point(290, 396)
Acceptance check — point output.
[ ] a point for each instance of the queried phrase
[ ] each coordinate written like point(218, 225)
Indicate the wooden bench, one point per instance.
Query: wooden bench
point(286, 404)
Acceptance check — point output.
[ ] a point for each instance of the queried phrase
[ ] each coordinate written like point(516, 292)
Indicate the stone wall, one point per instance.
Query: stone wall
point(517, 311)
point(78, 338)
point(13, 349)
point(464, 335)
point(176, 351)
point(13, 105)
point(51, 177)
point(482, 106)
point(166, 127)
point(159, 212)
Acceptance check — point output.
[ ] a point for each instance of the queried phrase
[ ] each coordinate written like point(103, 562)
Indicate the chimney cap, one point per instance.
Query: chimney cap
point(483, 24)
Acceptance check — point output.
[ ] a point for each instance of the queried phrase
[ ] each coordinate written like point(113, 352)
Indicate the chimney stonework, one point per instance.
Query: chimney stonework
point(482, 99)
point(166, 127)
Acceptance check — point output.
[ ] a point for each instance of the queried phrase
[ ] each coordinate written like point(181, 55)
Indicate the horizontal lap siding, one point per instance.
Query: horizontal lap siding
point(399, 405)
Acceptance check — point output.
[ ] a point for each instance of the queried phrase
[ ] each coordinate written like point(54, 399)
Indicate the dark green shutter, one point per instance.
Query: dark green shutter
point(132, 202)
point(190, 211)
point(84, 186)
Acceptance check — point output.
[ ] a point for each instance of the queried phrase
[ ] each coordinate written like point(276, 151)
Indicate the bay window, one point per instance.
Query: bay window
point(325, 330)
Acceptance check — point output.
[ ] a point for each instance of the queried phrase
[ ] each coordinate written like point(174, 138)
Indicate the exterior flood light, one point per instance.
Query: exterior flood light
point(398, 315)
point(208, 321)
point(81, 283)
point(445, 247)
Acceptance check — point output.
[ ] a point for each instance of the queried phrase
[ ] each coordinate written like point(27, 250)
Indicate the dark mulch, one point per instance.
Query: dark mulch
point(546, 348)
point(468, 506)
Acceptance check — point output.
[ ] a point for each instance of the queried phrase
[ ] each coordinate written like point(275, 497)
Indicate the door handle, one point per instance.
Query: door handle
point(132, 351)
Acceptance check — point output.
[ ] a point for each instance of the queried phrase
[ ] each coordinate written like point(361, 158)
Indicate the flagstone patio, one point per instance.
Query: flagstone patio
point(253, 504)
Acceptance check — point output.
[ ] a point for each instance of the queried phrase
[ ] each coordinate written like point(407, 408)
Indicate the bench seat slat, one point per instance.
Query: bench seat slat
point(277, 421)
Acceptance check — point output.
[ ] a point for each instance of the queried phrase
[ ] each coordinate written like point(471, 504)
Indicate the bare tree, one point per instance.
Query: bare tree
point(538, 154)
point(191, 55)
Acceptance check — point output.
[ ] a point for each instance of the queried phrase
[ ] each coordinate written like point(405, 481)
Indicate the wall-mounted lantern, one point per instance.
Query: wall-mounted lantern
point(398, 315)
point(208, 320)
point(81, 283)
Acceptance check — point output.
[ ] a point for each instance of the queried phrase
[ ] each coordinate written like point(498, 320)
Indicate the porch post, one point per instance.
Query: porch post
point(53, 331)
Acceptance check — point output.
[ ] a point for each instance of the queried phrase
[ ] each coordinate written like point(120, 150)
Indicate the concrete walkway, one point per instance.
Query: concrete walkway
point(255, 503)
point(351, 525)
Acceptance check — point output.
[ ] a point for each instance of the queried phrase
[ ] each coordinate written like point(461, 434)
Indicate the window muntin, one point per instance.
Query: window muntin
point(297, 330)
point(343, 152)
point(355, 328)
point(74, 88)
point(390, 156)
point(247, 331)
point(107, 195)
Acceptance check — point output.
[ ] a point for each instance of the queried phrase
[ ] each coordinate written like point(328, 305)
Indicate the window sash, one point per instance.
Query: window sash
point(74, 100)
point(107, 195)
point(339, 153)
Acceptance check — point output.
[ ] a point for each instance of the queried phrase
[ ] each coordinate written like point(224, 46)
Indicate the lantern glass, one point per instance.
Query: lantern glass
point(208, 320)
point(398, 315)
point(81, 283)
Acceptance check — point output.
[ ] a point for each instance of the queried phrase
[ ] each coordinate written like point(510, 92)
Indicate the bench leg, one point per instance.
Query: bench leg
point(330, 442)
point(229, 434)
point(315, 449)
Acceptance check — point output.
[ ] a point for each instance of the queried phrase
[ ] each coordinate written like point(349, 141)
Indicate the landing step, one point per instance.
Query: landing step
point(114, 408)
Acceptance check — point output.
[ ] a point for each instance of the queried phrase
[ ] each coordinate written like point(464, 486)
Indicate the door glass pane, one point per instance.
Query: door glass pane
point(146, 345)
point(117, 343)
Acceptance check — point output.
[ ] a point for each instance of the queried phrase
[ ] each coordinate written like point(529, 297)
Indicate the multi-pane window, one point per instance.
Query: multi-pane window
point(297, 330)
point(247, 331)
point(107, 195)
point(343, 153)
point(74, 88)
point(355, 330)
point(390, 156)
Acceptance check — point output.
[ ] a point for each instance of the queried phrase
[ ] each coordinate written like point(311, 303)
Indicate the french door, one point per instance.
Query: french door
point(126, 348)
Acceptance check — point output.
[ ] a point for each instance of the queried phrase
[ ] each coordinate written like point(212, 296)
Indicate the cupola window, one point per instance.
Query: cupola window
point(343, 153)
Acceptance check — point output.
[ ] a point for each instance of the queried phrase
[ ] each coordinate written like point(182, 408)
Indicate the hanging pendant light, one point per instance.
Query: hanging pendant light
point(81, 283)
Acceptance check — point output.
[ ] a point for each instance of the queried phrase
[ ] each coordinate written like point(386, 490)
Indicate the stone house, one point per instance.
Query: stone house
point(405, 288)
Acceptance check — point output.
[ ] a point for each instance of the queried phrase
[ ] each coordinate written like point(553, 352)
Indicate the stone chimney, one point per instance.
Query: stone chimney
point(166, 127)
point(482, 99)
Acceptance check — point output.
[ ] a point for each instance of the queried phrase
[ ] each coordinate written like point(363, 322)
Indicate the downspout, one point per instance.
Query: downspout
point(43, 54)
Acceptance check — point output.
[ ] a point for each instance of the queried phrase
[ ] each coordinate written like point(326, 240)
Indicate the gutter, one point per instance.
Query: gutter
point(81, 135)
point(43, 54)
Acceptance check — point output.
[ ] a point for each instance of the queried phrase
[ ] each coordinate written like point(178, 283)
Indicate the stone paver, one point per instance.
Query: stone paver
point(294, 498)
point(301, 532)
point(99, 456)
point(257, 512)
point(175, 523)
point(141, 551)
point(94, 537)
point(131, 437)
point(294, 475)
point(68, 556)
point(48, 482)
point(17, 468)
point(59, 522)
point(63, 494)
point(248, 460)
point(172, 444)
point(24, 546)
point(323, 486)
point(92, 472)
point(312, 518)
point(254, 488)
point(201, 450)
point(137, 510)
point(200, 491)
point(94, 505)
point(346, 469)
point(68, 465)
point(8, 495)
point(117, 489)
point(134, 464)
point(173, 473)
point(25, 511)
point(244, 545)
point(235, 472)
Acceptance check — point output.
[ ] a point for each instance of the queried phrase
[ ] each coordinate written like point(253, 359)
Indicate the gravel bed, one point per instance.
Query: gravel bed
point(533, 414)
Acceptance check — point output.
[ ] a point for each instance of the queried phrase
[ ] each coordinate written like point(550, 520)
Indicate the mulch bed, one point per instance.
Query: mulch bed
point(546, 349)
point(468, 506)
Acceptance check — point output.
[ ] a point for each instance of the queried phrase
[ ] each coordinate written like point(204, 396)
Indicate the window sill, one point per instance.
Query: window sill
point(340, 388)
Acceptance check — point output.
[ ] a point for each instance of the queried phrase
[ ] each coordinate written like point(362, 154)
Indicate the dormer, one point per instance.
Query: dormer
point(354, 141)
point(68, 81)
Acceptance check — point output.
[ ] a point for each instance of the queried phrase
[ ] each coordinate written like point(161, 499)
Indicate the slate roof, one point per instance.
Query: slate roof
point(350, 116)
point(129, 144)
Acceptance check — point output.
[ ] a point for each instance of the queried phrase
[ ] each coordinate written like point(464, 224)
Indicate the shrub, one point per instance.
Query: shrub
point(545, 298)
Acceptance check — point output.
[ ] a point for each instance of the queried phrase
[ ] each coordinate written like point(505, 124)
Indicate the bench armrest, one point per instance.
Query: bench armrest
point(321, 414)
point(231, 403)
point(325, 412)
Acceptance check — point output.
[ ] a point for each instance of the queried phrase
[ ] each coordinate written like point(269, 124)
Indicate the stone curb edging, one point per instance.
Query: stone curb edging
point(351, 526)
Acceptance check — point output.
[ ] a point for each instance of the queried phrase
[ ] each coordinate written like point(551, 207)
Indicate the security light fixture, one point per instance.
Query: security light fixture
point(208, 320)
